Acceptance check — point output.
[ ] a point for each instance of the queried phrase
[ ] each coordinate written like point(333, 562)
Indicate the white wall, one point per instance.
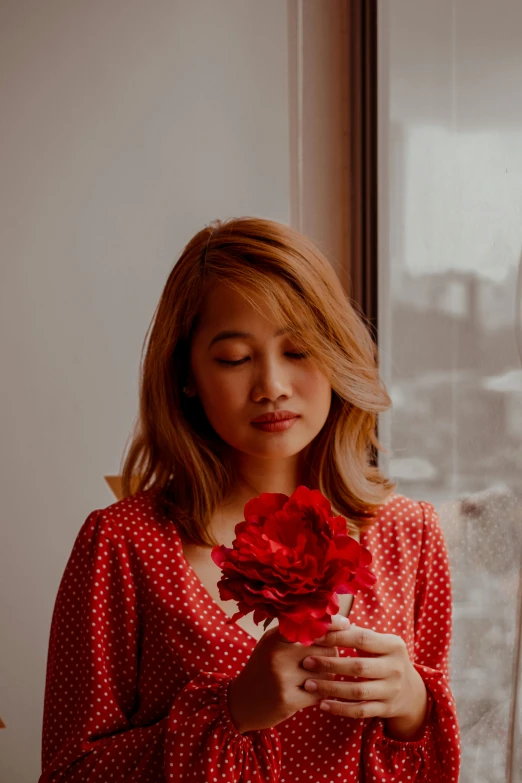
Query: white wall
point(126, 126)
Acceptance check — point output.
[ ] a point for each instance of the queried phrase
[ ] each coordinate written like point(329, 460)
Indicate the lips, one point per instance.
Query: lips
point(275, 416)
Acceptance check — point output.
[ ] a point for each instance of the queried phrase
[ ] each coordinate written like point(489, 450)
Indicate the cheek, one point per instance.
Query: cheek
point(221, 394)
point(316, 387)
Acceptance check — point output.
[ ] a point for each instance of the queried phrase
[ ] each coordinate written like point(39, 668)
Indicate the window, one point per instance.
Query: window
point(450, 238)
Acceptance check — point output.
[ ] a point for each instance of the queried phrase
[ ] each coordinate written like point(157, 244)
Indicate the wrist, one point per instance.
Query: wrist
point(409, 724)
point(236, 708)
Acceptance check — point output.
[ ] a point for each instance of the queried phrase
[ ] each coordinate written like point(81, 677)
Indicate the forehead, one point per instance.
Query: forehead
point(223, 307)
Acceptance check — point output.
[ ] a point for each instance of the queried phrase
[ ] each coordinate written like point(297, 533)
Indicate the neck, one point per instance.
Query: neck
point(255, 476)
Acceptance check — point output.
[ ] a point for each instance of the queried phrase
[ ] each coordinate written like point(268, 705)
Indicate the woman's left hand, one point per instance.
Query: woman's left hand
point(390, 688)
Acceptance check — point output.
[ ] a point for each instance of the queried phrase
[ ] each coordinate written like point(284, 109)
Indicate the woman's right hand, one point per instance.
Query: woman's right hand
point(269, 689)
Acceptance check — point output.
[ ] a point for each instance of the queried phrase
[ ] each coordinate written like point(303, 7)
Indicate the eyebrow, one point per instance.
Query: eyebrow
point(231, 335)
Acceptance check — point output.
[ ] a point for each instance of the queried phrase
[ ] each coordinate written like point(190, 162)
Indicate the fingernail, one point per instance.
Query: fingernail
point(345, 623)
point(310, 663)
point(324, 705)
point(321, 638)
point(311, 685)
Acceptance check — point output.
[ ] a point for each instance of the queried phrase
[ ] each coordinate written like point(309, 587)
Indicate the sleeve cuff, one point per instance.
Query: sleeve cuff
point(201, 736)
point(228, 722)
point(421, 738)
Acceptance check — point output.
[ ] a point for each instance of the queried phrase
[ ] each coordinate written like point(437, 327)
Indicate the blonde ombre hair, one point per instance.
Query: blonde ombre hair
point(173, 448)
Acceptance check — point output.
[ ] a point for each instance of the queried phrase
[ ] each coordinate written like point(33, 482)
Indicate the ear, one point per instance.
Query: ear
point(190, 384)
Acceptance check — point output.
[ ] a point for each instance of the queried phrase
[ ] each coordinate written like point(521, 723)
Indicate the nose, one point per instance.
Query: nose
point(271, 382)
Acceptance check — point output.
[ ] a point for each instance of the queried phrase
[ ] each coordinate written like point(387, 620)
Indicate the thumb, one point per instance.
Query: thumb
point(273, 632)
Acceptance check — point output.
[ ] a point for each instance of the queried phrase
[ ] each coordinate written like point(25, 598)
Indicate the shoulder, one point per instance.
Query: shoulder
point(403, 513)
point(404, 524)
point(134, 517)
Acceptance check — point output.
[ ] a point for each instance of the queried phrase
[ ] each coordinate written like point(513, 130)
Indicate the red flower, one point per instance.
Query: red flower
point(289, 559)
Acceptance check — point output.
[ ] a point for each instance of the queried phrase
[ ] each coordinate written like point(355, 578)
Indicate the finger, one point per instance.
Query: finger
point(365, 639)
point(367, 668)
point(372, 690)
point(358, 710)
point(324, 676)
point(319, 650)
point(338, 623)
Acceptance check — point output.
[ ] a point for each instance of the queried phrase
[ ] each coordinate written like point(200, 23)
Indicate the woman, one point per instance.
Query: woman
point(146, 679)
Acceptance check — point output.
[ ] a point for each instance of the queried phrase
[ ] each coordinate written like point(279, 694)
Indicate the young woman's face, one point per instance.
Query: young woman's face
point(239, 377)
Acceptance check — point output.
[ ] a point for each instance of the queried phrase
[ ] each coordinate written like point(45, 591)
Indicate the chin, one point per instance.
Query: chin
point(274, 450)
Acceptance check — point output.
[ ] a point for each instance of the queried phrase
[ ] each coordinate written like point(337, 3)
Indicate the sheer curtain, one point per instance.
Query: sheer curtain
point(450, 239)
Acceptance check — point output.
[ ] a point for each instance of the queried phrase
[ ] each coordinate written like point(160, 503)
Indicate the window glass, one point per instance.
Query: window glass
point(450, 242)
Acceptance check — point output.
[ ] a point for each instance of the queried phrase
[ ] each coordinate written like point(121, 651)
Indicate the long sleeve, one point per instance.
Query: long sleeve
point(203, 744)
point(435, 754)
point(91, 690)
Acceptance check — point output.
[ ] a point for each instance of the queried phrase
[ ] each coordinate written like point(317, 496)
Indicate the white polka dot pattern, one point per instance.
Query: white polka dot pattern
point(140, 658)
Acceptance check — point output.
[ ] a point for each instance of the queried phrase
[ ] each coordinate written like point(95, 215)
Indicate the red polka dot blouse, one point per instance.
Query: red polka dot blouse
point(140, 658)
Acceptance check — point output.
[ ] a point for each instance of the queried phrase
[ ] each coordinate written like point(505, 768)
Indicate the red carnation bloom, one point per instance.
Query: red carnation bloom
point(289, 559)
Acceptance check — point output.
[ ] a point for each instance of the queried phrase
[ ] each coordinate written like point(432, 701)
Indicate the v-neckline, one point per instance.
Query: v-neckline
point(206, 594)
point(219, 609)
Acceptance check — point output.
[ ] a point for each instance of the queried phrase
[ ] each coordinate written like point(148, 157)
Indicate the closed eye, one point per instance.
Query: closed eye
point(232, 364)
point(246, 359)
